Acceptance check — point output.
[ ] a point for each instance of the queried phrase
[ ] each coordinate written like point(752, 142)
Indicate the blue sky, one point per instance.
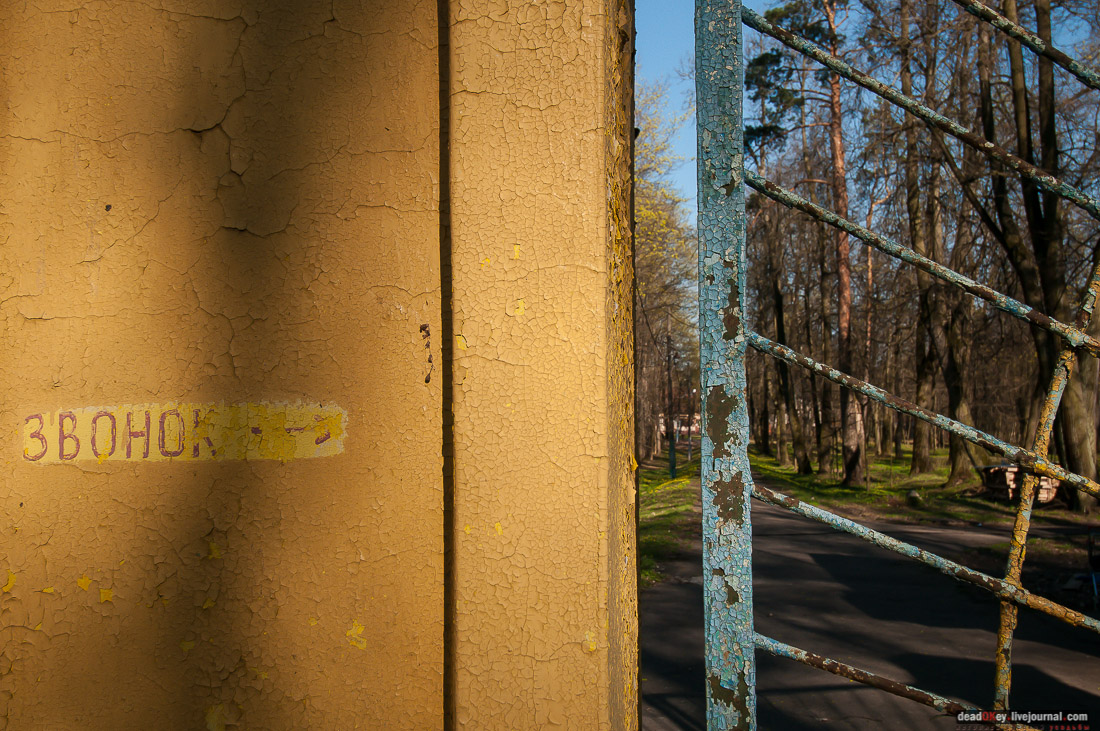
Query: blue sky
point(666, 36)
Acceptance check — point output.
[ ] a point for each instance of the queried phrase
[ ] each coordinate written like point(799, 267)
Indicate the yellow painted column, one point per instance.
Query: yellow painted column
point(544, 560)
point(220, 463)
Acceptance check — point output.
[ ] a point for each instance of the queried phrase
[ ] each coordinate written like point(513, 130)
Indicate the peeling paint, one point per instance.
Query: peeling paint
point(183, 431)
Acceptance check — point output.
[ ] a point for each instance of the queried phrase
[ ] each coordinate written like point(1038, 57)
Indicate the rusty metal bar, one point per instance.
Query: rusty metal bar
point(939, 702)
point(1084, 74)
point(1043, 179)
point(1070, 334)
point(998, 587)
point(725, 476)
point(1020, 527)
point(1029, 460)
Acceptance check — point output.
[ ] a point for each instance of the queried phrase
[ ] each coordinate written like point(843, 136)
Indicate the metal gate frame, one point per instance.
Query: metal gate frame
point(727, 483)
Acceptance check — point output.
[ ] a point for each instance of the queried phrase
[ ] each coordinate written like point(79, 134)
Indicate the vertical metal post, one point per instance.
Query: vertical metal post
point(727, 482)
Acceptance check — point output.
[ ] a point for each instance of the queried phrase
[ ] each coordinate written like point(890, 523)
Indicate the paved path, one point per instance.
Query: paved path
point(836, 595)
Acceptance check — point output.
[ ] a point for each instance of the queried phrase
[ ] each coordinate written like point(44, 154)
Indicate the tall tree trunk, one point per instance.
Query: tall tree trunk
point(924, 357)
point(851, 417)
point(786, 390)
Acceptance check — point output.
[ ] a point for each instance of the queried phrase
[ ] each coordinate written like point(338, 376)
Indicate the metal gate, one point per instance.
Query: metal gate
point(724, 337)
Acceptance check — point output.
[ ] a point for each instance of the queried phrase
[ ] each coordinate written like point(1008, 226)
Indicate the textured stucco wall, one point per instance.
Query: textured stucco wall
point(545, 620)
point(227, 228)
point(204, 202)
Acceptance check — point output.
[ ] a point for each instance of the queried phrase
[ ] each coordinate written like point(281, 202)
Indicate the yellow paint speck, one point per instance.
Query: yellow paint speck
point(48, 590)
point(187, 645)
point(208, 603)
point(11, 582)
point(215, 718)
point(499, 530)
point(215, 551)
point(313, 621)
point(122, 562)
point(354, 635)
point(515, 251)
point(467, 530)
point(106, 595)
point(84, 582)
point(521, 307)
point(486, 262)
point(460, 341)
point(589, 642)
point(38, 627)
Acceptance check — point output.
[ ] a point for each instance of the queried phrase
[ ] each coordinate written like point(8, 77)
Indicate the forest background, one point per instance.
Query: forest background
point(856, 308)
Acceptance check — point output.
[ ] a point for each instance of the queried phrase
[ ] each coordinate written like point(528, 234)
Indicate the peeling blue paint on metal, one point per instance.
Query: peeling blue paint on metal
point(726, 480)
point(939, 702)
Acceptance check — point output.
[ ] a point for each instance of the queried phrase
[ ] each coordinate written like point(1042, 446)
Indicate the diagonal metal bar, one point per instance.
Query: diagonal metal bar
point(1070, 334)
point(1063, 370)
point(998, 587)
point(1043, 179)
point(939, 702)
point(1029, 460)
point(1084, 74)
point(725, 476)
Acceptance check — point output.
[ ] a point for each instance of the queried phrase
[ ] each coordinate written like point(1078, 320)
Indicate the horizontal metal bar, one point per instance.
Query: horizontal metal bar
point(1043, 179)
point(1030, 461)
point(859, 675)
point(998, 587)
point(1070, 334)
point(1084, 74)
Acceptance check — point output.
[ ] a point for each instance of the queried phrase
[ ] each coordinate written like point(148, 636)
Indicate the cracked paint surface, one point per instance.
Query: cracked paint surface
point(544, 562)
point(221, 202)
point(157, 433)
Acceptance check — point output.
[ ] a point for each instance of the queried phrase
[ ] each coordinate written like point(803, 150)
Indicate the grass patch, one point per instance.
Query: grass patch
point(668, 512)
point(886, 494)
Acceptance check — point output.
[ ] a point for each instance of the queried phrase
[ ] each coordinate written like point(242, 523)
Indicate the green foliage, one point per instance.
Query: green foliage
point(767, 76)
point(666, 513)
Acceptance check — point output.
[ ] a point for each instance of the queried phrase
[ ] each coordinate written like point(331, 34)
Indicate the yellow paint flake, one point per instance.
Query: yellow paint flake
point(184, 432)
point(106, 595)
point(11, 582)
point(187, 645)
point(460, 341)
point(215, 551)
point(38, 627)
point(486, 262)
point(515, 251)
point(313, 621)
point(215, 718)
point(208, 603)
point(589, 643)
point(467, 530)
point(521, 307)
point(48, 590)
point(499, 529)
point(354, 635)
point(84, 582)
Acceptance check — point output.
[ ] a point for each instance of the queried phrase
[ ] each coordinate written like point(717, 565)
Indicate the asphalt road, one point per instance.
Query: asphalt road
point(838, 596)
